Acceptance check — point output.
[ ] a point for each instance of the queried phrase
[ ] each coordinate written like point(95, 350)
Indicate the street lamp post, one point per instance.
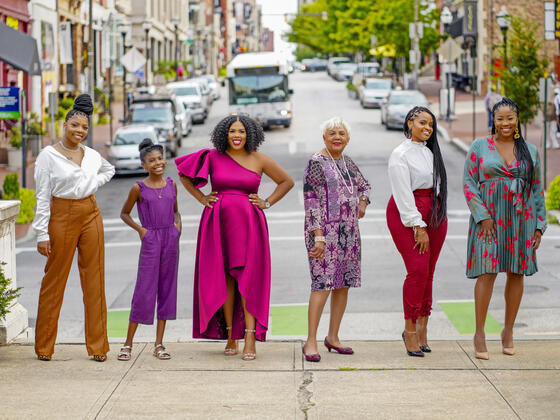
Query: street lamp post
point(446, 19)
point(124, 31)
point(504, 19)
point(147, 25)
point(175, 22)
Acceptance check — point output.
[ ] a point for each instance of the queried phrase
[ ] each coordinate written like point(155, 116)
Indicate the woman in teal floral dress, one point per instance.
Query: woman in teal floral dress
point(503, 188)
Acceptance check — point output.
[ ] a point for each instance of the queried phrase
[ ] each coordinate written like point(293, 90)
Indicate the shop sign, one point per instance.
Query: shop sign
point(9, 103)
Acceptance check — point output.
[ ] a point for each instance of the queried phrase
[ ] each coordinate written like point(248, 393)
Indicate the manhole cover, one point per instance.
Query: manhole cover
point(527, 289)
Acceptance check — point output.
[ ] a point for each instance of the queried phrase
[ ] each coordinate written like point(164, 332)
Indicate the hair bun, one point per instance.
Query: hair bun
point(83, 104)
point(144, 144)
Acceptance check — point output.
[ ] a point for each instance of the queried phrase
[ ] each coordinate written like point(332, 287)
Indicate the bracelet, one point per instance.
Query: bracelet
point(320, 239)
point(416, 229)
point(366, 199)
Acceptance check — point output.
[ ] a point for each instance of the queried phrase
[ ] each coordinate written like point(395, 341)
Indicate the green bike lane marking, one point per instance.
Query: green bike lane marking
point(461, 315)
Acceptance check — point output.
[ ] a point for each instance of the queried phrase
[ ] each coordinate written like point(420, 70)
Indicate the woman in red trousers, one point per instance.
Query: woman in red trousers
point(416, 217)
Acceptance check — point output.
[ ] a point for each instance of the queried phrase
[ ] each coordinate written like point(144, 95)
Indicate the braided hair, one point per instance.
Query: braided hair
point(83, 106)
point(439, 201)
point(255, 134)
point(146, 146)
point(520, 149)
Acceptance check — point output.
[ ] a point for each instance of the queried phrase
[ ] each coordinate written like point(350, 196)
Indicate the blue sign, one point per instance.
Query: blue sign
point(9, 103)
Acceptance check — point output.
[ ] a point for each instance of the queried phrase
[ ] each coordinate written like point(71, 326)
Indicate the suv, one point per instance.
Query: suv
point(190, 94)
point(161, 112)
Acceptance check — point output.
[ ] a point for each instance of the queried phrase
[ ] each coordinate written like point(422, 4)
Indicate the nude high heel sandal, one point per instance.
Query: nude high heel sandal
point(482, 355)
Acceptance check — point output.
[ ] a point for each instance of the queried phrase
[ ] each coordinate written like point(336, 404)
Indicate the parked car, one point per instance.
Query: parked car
point(345, 71)
point(190, 94)
point(363, 71)
point(162, 113)
point(206, 92)
point(373, 91)
point(185, 118)
point(397, 105)
point(123, 151)
point(313, 64)
point(213, 85)
point(333, 62)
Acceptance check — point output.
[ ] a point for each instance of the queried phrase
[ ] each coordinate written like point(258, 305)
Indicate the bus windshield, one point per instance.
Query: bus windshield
point(259, 89)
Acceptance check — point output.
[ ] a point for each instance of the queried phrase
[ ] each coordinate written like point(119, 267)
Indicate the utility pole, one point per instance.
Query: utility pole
point(415, 44)
point(91, 81)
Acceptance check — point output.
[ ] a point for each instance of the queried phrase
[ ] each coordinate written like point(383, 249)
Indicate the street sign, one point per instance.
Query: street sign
point(133, 60)
point(9, 103)
point(470, 26)
point(450, 50)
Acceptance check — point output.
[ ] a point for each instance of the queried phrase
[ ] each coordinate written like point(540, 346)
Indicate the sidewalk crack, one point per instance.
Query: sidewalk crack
point(304, 395)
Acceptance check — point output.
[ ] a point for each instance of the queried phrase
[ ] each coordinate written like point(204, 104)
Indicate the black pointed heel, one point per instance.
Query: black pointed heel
point(412, 353)
point(425, 349)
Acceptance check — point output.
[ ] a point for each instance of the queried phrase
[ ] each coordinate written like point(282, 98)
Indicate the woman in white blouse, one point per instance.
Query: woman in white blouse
point(416, 217)
point(67, 175)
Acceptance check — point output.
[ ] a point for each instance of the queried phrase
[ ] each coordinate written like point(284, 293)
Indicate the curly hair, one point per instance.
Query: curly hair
point(439, 201)
point(520, 149)
point(255, 134)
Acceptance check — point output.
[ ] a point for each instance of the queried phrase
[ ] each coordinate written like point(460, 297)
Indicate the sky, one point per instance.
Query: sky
point(273, 18)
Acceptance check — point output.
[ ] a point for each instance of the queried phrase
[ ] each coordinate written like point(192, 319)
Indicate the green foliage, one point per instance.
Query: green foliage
point(34, 126)
point(525, 68)
point(15, 136)
point(303, 51)
point(350, 24)
point(28, 202)
point(222, 72)
point(168, 68)
point(12, 191)
point(66, 103)
point(7, 295)
point(553, 195)
point(10, 187)
point(350, 86)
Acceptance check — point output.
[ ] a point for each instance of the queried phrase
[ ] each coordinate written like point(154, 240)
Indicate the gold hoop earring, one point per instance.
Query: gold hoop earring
point(516, 135)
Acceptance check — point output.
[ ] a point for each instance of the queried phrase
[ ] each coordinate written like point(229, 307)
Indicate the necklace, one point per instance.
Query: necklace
point(333, 163)
point(67, 148)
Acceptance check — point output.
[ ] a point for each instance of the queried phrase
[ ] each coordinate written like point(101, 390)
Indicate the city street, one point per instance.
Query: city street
point(374, 310)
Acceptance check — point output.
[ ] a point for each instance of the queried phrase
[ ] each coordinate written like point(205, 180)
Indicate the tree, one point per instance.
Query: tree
point(310, 30)
point(525, 68)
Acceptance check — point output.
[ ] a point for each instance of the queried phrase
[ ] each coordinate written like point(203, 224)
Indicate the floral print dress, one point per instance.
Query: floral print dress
point(494, 190)
point(329, 206)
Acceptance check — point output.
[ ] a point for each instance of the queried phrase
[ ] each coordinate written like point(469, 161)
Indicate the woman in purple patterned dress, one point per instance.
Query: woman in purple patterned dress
point(335, 196)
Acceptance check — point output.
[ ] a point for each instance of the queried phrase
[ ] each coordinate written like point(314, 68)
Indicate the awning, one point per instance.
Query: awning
point(19, 50)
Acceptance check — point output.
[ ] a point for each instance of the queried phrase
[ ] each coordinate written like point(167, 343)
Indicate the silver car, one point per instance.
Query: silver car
point(397, 105)
point(372, 92)
point(123, 149)
point(190, 95)
point(213, 85)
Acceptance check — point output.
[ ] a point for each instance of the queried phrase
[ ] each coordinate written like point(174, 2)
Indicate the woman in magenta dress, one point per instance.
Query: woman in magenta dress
point(232, 270)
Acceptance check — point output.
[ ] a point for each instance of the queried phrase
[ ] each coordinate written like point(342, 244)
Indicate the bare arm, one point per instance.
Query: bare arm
point(133, 197)
point(176, 214)
point(205, 200)
point(283, 180)
point(318, 251)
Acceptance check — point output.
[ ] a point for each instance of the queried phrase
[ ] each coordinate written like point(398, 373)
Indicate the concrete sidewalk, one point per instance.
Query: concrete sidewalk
point(379, 381)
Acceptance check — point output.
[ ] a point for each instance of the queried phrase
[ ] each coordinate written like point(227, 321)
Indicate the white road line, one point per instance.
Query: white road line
point(272, 239)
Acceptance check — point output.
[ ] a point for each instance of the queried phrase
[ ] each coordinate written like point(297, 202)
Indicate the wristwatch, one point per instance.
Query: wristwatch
point(266, 204)
point(366, 199)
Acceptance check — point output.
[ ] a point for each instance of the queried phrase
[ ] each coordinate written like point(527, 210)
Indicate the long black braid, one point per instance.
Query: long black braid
point(520, 149)
point(439, 201)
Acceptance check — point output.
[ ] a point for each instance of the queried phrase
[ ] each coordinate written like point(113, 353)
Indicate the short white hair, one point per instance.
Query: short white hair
point(334, 122)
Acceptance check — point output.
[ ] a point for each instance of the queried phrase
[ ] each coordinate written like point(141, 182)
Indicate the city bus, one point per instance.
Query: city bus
point(258, 87)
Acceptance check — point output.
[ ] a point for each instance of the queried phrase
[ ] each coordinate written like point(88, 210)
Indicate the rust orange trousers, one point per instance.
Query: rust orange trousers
point(74, 224)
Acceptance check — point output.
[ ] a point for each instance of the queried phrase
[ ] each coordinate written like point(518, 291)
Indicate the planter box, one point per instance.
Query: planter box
point(14, 158)
point(352, 94)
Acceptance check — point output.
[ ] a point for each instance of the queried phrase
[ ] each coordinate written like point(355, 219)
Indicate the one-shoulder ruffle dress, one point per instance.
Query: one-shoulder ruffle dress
point(232, 240)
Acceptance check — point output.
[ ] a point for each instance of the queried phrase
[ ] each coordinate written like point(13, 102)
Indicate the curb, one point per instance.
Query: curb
point(456, 141)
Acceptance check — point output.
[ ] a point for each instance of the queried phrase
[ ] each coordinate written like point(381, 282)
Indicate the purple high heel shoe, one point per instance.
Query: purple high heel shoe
point(339, 350)
point(311, 357)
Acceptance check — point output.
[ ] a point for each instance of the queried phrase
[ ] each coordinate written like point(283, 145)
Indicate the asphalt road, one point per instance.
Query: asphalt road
point(316, 98)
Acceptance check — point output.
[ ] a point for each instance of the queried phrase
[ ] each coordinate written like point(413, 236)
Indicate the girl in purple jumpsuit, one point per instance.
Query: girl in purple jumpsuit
point(156, 199)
